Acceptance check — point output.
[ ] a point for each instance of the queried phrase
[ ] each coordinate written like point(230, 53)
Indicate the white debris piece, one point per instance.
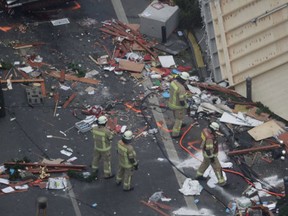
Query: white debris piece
point(27, 69)
point(167, 61)
point(191, 187)
point(156, 196)
point(22, 187)
point(190, 212)
point(60, 22)
point(57, 183)
point(239, 119)
point(65, 152)
point(65, 88)
point(91, 73)
point(193, 89)
point(7, 190)
point(4, 181)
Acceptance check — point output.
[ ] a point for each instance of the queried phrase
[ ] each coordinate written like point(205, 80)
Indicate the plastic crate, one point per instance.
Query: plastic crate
point(83, 127)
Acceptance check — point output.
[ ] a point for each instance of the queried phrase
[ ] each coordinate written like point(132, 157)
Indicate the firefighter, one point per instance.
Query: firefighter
point(127, 161)
point(177, 102)
point(210, 153)
point(102, 147)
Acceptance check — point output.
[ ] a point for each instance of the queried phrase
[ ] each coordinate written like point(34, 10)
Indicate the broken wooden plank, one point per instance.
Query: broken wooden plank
point(266, 130)
point(23, 80)
point(70, 99)
point(46, 165)
point(74, 78)
point(146, 48)
point(23, 46)
point(62, 76)
point(41, 81)
point(131, 66)
point(37, 171)
point(254, 149)
point(154, 208)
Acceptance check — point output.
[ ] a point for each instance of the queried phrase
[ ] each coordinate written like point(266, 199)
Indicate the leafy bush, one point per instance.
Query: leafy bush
point(190, 14)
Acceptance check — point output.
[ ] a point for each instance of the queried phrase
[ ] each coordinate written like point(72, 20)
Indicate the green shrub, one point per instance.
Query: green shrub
point(190, 14)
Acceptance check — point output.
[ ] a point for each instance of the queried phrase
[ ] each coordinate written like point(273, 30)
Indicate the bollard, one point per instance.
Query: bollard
point(41, 206)
point(286, 186)
point(2, 105)
point(163, 30)
point(249, 88)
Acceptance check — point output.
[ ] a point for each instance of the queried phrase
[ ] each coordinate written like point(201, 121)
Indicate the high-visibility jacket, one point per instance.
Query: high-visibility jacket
point(127, 155)
point(102, 137)
point(209, 143)
point(177, 94)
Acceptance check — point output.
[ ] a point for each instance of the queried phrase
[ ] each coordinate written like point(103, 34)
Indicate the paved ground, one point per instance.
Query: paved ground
point(26, 135)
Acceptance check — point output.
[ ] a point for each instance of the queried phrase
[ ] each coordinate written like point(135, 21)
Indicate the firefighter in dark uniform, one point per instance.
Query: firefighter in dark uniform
point(102, 147)
point(127, 161)
point(210, 153)
point(177, 101)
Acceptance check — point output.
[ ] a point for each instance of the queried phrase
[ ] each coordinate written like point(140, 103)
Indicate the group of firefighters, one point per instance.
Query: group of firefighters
point(127, 155)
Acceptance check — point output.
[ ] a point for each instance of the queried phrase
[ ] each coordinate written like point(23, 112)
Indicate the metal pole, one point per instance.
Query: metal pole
point(286, 186)
point(249, 88)
point(163, 30)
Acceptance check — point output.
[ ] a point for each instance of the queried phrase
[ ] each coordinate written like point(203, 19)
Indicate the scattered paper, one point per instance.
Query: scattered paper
point(4, 181)
point(22, 187)
point(72, 159)
point(167, 61)
point(27, 69)
point(57, 183)
point(91, 73)
point(7, 190)
point(60, 22)
point(90, 90)
point(65, 88)
point(67, 153)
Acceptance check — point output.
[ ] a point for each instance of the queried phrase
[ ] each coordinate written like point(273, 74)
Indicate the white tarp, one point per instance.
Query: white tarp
point(191, 187)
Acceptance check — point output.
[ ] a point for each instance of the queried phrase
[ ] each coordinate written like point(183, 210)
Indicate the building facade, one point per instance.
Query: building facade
point(249, 39)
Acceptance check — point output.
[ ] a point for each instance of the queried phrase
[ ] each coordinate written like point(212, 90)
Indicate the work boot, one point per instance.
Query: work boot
point(109, 177)
point(130, 189)
point(222, 184)
point(183, 125)
point(176, 136)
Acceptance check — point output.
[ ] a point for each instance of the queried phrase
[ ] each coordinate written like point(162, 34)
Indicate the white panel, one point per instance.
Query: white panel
point(271, 89)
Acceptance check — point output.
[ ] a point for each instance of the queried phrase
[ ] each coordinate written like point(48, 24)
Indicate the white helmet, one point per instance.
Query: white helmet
point(215, 126)
point(128, 135)
point(184, 75)
point(102, 120)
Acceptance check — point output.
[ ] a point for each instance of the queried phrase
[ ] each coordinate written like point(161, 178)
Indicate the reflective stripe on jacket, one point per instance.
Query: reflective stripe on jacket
point(209, 143)
point(126, 152)
point(102, 137)
point(177, 94)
